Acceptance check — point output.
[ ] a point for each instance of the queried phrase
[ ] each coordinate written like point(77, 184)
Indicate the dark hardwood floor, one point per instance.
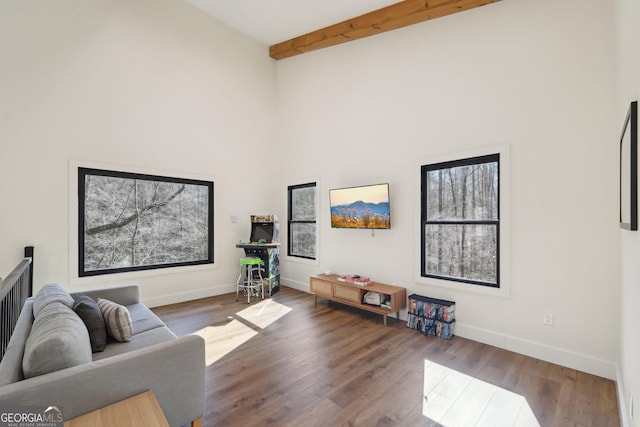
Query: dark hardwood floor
point(282, 362)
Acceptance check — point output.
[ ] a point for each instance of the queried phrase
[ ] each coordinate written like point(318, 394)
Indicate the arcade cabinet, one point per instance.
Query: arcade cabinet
point(264, 243)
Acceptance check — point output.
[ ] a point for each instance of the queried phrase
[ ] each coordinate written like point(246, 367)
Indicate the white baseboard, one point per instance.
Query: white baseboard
point(540, 351)
point(301, 286)
point(189, 296)
point(622, 403)
point(544, 352)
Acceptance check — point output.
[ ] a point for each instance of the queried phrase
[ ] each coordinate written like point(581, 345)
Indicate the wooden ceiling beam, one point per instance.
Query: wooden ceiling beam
point(388, 18)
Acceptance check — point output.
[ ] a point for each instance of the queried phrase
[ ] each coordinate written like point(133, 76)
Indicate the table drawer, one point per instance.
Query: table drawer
point(347, 293)
point(321, 287)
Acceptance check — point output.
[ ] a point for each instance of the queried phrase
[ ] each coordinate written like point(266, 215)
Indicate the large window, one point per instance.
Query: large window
point(129, 222)
point(302, 225)
point(460, 218)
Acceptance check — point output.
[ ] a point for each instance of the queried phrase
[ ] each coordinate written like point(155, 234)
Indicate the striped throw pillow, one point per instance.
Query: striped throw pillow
point(117, 319)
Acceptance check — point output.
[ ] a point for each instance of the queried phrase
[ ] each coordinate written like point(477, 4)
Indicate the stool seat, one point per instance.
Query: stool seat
point(250, 277)
point(250, 261)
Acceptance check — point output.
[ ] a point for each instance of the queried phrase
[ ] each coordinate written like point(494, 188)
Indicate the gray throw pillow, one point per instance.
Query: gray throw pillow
point(117, 319)
point(49, 293)
point(91, 315)
point(58, 340)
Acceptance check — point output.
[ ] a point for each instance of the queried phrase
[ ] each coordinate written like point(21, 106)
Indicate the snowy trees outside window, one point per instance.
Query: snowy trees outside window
point(460, 211)
point(131, 221)
point(302, 221)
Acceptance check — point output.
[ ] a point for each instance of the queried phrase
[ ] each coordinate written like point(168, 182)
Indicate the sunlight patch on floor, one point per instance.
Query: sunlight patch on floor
point(264, 313)
point(454, 399)
point(221, 340)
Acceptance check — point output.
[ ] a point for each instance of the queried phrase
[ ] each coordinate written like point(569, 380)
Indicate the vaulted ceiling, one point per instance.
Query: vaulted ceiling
point(292, 27)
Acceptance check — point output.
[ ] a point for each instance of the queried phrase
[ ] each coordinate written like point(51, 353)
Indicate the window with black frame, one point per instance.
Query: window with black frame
point(302, 226)
point(460, 217)
point(130, 221)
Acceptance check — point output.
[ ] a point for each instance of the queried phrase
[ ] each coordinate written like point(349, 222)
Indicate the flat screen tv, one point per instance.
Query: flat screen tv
point(360, 207)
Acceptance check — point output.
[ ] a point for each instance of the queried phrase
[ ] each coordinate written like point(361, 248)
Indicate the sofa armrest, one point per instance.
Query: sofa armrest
point(11, 363)
point(121, 294)
point(174, 370)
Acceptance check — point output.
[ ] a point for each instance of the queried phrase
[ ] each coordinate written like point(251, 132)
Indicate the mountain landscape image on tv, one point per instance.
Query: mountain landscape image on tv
point(360, 207)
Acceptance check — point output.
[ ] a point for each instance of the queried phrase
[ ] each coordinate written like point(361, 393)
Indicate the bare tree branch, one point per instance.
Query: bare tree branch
point(121, 222)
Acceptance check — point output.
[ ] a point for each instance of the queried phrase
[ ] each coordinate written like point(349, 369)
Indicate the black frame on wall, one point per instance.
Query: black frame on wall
point(144, 222)
point(629, 170)
point(293, 221)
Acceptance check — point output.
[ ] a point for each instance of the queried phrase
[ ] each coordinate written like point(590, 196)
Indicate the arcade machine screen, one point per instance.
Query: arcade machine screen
point(261, 232)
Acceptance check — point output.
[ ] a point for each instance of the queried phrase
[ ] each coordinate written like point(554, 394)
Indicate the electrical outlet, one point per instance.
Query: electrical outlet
point(547, 319)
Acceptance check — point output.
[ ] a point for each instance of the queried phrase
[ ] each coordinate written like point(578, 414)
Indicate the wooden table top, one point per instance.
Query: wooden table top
point(139, 410)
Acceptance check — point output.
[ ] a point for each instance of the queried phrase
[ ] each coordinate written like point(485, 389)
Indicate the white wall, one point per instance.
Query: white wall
point(537, 76)
point(145, 85)
point(628, 89)
point(157, 85)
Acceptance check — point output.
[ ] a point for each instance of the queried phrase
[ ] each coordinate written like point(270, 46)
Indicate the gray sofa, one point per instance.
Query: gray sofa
point(155, 359)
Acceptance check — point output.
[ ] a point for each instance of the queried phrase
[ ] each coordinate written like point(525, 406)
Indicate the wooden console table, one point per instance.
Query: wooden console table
point(140, 410)
point(328, 286)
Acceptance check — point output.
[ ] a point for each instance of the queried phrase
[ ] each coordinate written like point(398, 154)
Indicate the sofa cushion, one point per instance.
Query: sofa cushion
point(143, 319)
point(91, 315)
point(117, 320)
point(141, 340)
point(58, 340)
point(49, 293)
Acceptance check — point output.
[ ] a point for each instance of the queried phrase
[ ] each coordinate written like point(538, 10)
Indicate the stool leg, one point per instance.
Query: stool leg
point(261, 282)
point(249, 282)
point(238, 283)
